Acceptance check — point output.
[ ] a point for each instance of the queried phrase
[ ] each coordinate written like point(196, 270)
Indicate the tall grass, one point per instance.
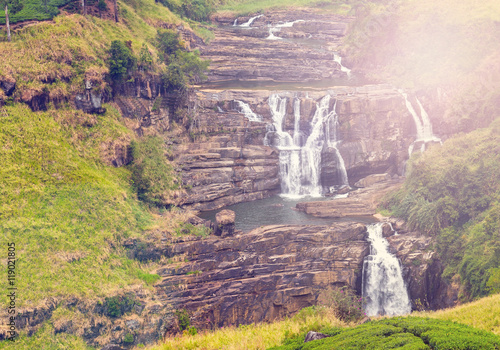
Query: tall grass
point(256, 336)
point(482, 314)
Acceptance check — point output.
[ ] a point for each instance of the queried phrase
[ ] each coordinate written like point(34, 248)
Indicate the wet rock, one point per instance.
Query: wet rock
point(225, 223)
point(311, 335)
point(372, 179)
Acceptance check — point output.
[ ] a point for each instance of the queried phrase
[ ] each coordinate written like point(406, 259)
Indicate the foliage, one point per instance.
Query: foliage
point(198, 10)
point(168, 42)
point(128, 338)
point(23, 10)
point(101, 5)
point(121, 61)
point(149, 278)
point(453, 193)
point(119, 305)
point(257, 336)
point(153, 176)
point(346, 304)
point(183, 319)
point(402, 333)
point(191, 65)
point(481, 314)
point(145, 61)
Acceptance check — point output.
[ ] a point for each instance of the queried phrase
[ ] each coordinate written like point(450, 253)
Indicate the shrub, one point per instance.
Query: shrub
point(168, 42)
point(129, 338)
point(118, 305)
point(346, 304)
point(152, 175)
point(121, 61)
point(183, 319)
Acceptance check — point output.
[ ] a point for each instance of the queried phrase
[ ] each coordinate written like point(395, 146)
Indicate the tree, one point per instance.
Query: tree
point(101, 6)
point(15, 6)
point(121, 60)
point(168, 42)
point(115, 5)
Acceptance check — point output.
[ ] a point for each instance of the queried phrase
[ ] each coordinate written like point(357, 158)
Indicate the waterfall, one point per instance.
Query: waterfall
point(250, 21)
point(235, 22)
point(247, 111)
point(338, 59)
point(384, 290)
point(278, 27)
point(422, 124)
point(300, 163)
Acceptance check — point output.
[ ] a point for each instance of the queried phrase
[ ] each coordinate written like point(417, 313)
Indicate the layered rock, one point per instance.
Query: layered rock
point(243, 53)
point(262, 275)
point(362, 202)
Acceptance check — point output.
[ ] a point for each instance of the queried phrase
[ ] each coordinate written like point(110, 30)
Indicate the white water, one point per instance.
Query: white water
point(300, 164)
point(235, 22)
point(422, 124)
point(384, 290)
point(247, 111)
point(338, 59)
point(278, 27)
point(249, 22)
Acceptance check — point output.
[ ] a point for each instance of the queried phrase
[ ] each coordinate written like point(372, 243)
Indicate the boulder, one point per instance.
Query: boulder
point(225, 223)
point(311, 335)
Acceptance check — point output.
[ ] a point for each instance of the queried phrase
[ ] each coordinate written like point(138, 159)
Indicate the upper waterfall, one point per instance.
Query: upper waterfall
point(301, 162)
point(422, 124)
point(383, 288)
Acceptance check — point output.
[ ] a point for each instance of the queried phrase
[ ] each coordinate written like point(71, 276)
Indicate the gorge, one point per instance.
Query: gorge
point(319, 154)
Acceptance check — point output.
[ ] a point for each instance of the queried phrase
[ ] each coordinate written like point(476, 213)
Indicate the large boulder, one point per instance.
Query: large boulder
point(225, 223)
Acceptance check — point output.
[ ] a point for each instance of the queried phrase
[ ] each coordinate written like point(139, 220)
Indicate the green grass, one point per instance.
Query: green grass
point(66, 212)
point(249, 7)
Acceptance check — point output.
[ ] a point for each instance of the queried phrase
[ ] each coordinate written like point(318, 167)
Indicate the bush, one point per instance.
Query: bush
point(152, 175)
point(346, 304)
point(129, 338)
point(118, 305)
point(168, 42)
point(183, 319)
point(121, 61)
point(198, 10)
point(410, 333)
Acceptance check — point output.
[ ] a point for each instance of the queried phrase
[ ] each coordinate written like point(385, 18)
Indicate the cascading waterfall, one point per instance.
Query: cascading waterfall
point(383, 287)
point(300, 164)
point(338, 59)
point(422, 124)
point(249, 22)
point(247, 111)
point(278, 27)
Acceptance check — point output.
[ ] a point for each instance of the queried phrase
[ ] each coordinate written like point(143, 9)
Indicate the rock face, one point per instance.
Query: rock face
point(421, 269)
point(243, 53)
point(225, 223)
point(362, 202)
point(262, 275)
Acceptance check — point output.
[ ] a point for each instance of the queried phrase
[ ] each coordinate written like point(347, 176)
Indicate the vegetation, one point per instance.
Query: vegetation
point(256, 336)
point(453, 193)
point(183, 319)
point(121, 61)
point(198, 10)
point(153, 176)
point(347, 306)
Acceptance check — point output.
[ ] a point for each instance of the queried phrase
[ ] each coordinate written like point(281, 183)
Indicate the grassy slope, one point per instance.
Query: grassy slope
point(65, 209)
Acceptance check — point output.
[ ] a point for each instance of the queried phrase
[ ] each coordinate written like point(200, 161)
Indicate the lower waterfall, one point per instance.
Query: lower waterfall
point(383, 288)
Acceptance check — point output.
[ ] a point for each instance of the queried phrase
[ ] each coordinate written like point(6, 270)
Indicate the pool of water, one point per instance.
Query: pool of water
point(277, 211)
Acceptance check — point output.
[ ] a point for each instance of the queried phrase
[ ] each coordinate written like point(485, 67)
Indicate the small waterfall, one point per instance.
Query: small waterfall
point(338, 59)
point(249, 22)
point(278, 27)
point(235, 22)
point(422, 124)
point(247, 111)
point(384, 290)
point(300, 163)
